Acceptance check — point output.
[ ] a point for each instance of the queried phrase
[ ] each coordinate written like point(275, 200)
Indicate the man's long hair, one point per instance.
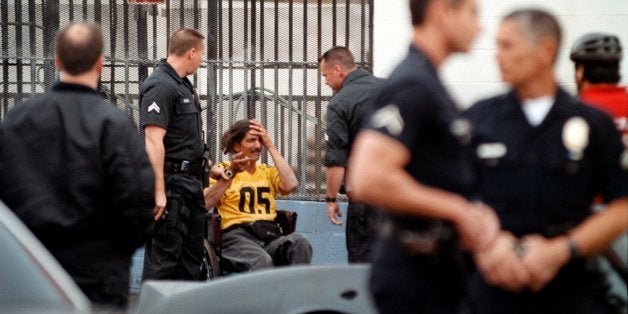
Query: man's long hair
point(234, 135)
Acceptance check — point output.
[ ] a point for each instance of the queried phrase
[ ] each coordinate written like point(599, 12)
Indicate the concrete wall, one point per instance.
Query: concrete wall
point(475, 75)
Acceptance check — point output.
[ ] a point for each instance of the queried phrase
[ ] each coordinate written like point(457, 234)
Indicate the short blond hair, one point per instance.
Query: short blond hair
point(183, 40)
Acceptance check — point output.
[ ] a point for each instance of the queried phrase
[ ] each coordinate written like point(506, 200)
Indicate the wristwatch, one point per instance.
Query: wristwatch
point(229, 173)
point(330, 199)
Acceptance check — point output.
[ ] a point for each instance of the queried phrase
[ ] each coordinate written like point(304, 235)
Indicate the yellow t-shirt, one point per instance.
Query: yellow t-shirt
point(250, 197)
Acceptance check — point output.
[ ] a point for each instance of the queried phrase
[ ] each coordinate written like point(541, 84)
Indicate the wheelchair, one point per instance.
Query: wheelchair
point(215, 265)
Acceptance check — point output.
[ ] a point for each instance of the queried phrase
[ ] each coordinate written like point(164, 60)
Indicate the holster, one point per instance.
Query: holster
point(207, 165)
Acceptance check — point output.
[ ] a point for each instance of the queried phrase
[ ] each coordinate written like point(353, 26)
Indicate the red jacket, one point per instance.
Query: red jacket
point(613, 100)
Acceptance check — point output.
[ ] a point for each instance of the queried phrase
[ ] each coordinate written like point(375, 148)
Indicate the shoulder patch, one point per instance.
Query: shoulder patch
point(390, 118)
point(154, 107)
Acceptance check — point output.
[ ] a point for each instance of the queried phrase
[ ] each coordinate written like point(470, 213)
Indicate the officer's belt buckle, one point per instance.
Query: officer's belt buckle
point(416, 242)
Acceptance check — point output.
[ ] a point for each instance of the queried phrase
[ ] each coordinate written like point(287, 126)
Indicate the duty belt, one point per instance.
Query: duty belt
point(192, 168)
point(430, 240)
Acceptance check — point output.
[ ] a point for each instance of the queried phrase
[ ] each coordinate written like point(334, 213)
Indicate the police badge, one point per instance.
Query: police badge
point(575, 137)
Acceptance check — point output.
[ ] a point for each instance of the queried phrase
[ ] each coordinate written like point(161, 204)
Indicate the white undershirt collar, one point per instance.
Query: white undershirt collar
point(536, 109)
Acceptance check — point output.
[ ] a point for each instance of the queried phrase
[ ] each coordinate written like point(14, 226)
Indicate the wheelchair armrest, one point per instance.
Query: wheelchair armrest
point(213, 229)
point(287, 219)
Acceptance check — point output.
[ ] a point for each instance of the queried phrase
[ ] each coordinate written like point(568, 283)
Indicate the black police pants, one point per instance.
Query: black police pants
point(425, 283)
point(361, 232)
point(175, 251)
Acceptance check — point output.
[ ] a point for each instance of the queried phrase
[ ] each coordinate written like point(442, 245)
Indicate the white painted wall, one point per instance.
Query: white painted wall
point(475, 75)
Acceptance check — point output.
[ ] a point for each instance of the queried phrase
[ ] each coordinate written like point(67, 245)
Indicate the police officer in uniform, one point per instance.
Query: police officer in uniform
point(414, 162)
point(170, 115)
point(75, 171)
point(354, 90)
point(543, 157)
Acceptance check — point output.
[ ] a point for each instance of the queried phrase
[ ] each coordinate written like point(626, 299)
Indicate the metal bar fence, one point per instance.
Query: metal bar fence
point(261, 61)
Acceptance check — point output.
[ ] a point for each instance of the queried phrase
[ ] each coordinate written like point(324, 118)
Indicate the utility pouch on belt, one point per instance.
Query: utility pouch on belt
point(266, 230)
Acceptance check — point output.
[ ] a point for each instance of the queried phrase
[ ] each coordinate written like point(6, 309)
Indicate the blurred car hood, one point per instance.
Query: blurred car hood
point(290, 290)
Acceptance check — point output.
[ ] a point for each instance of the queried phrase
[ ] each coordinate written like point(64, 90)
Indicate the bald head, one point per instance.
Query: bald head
point(78, 47)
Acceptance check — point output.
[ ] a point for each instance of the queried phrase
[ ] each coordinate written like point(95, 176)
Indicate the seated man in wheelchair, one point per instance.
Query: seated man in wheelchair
point(245, 199)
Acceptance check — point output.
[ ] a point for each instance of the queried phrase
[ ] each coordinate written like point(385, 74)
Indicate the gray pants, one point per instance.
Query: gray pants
point(245, 252)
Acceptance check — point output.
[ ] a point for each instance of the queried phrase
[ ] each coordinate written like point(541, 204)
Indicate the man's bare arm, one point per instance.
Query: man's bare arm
point(389, 186)
point(154, 138)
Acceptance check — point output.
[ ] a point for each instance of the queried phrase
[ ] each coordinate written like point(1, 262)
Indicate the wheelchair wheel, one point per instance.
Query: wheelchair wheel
point(212, 262)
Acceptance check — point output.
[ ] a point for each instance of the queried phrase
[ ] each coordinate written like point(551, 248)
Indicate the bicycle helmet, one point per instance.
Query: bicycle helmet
point(596, 47)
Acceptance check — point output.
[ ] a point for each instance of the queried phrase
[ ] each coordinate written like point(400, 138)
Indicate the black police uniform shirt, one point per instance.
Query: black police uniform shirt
point(543, 179)
point(171, 102)
point(414, 108)
point(346, 113)
point(75, 170)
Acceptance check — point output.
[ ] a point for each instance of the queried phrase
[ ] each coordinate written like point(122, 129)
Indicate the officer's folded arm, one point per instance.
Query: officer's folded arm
point(545, 257)
point(477, 225)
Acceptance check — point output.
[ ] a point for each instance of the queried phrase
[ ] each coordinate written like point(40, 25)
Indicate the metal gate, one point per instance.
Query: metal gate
point(261, 61)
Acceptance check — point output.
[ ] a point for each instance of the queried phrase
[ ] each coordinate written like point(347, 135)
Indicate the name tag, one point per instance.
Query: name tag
point(491, 150)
